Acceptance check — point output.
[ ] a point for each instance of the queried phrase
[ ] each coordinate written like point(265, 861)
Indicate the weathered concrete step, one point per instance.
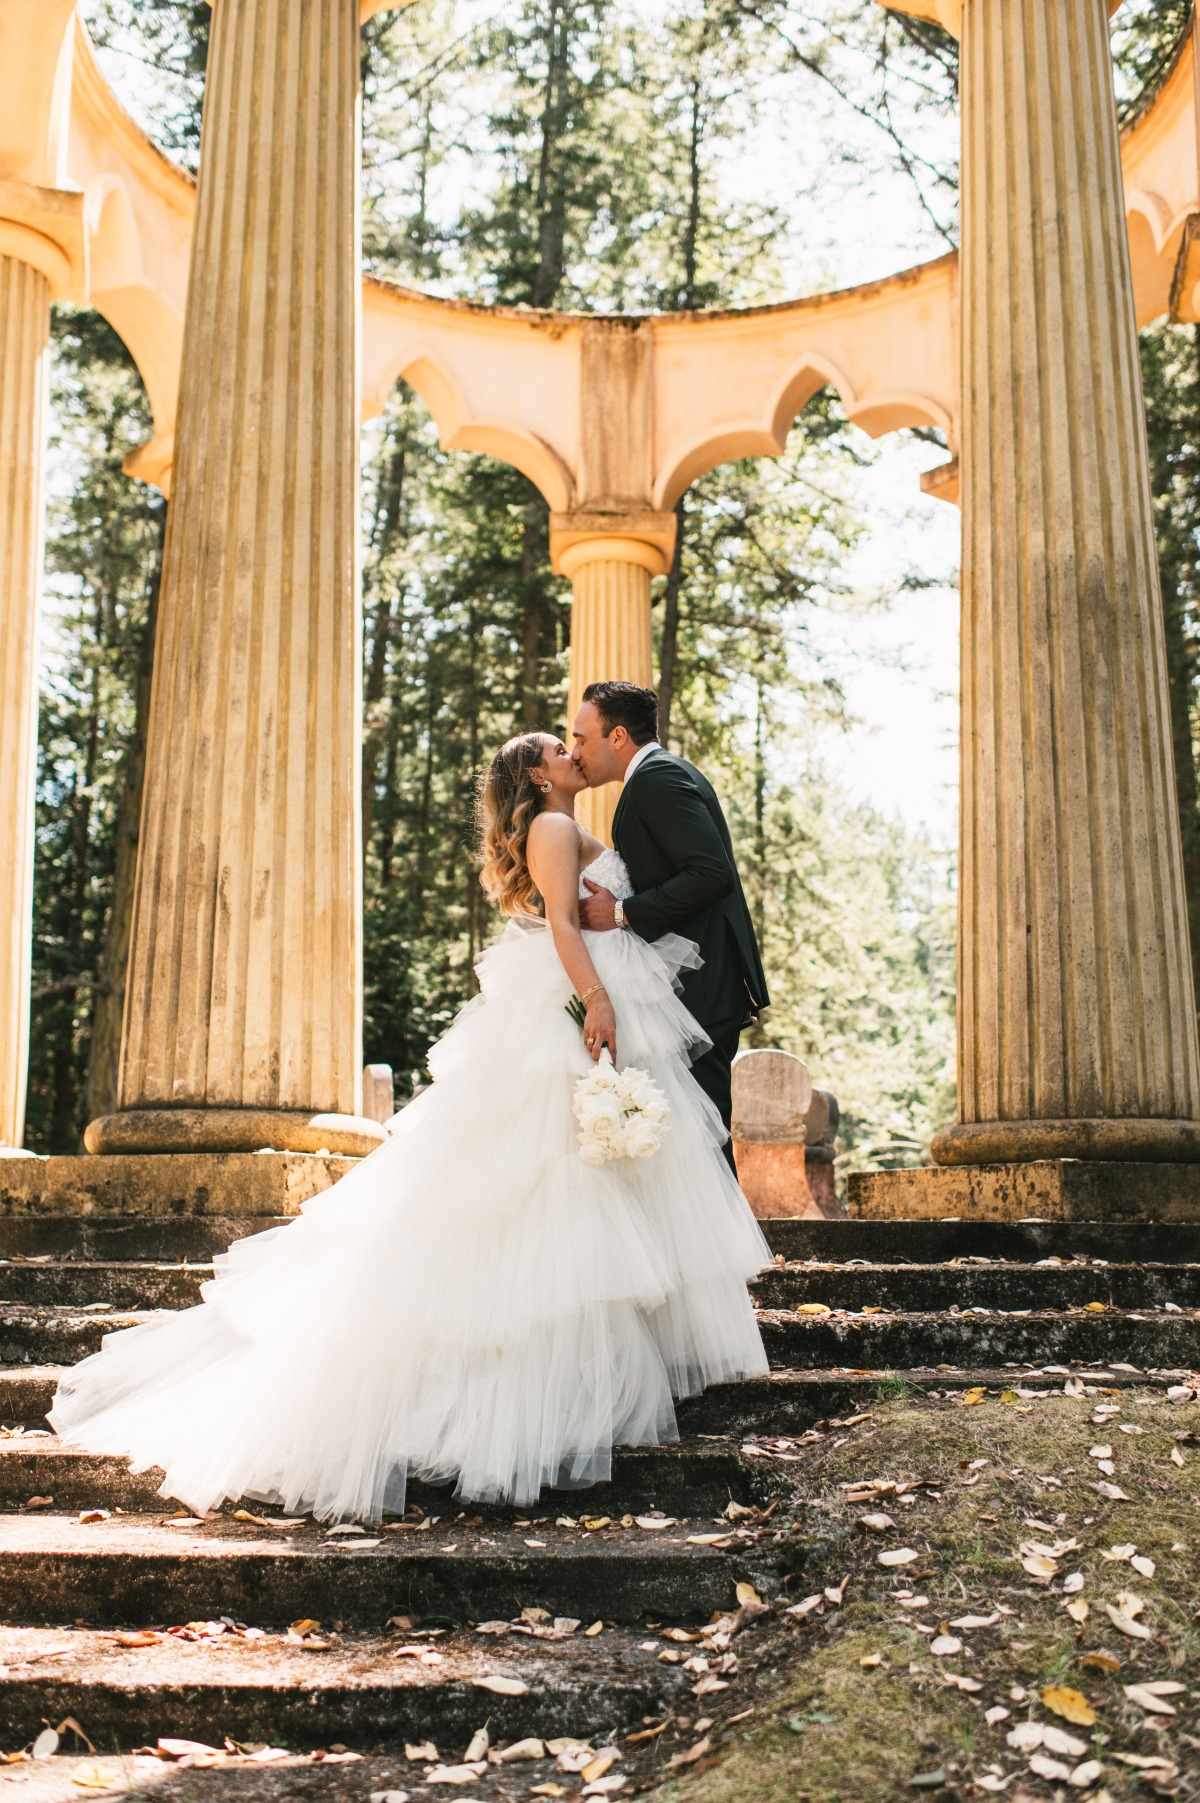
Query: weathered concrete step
point(921, 1289)
point(128, 1287)
point(129, 1571)
point(694, 1475)
point(123, 1237)
point(168, 1238)
point(75, 1283)
point(896, 1342)
point(784, 1402)
point(355, 1690)
point(51, 1336)
point(933, 1242)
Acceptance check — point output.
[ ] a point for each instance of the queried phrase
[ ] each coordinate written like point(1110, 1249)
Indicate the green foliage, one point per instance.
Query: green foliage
point(103, 550)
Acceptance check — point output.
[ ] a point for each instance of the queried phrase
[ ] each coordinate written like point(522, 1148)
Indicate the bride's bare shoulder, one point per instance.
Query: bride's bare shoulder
point(554, 835)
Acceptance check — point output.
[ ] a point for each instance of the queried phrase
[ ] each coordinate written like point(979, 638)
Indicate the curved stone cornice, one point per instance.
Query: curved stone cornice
point(946, 13)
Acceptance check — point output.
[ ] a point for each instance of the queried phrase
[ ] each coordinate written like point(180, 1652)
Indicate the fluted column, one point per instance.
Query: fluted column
point(24, 360)
point(1076, 1016)
point(610, 635)
point(243, 1010)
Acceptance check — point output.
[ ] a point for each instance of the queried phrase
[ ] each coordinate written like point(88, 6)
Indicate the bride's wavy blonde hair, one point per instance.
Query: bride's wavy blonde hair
point(509, 803)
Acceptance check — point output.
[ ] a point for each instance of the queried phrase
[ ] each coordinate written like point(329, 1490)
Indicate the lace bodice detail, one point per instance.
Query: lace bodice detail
point(609, 871)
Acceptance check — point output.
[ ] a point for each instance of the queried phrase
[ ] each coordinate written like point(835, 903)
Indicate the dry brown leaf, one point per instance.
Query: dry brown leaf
point(693, 1753)
point(813, 1308)
point(1176, 1456)
point(1113, 1492)
point(652, 1523)
point(138, 1637)
point(456, 1774)
point(869, 1661)
point(899, 1555)
point(1078, 1610)
point(501, 1686)
point(520, 1749)
point(878, 1523)
point(421, 1750)
point(596, 1768)
point(1086, 1774)
point(944, 1646)
point(1146, 1699)
point(746, 1594)
point(1070, 1704)
point(1124, 1624)
point(1101, 1662)
point(1048, 1768)
point(597, 1627)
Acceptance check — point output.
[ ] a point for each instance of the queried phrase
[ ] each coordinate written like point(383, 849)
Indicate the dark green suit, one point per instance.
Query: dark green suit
point(673, 838)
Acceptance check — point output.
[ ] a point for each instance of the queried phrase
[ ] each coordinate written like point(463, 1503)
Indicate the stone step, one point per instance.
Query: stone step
point(131, 1287)
point(921, 1289)
point(891, 1341)
point(170, 1238)
point(788, 1401)
point(138, 1571)
point(125, 1285)
point(354, 1691)
point(898, 1341)
point(693, 1475)
point(935, 1242)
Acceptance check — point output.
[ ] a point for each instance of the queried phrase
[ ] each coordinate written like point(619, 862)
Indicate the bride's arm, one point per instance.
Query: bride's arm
point(553, 850)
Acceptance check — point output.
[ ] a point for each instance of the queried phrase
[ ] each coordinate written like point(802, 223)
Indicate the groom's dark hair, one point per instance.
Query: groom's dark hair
point(624, 704)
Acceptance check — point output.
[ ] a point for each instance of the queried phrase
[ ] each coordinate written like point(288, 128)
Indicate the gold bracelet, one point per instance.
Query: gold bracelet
point(587, 995)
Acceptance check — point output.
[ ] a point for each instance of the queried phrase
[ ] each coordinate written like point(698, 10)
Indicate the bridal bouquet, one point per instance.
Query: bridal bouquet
point(621, 1114)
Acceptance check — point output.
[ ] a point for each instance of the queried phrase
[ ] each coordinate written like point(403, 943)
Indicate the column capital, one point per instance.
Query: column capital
point(946, 13)
point(44, 228)
point(642, 538)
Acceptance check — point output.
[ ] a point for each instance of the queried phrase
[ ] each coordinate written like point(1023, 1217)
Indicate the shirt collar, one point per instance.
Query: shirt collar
point(640, 757)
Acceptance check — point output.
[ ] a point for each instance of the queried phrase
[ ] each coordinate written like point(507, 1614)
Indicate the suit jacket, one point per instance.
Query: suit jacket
point(674, 840)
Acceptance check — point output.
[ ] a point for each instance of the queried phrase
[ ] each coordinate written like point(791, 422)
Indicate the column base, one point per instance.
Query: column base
point(1050, 1189)
point(1003, 1142)
point(172, 1188)
point(774, 1181)
point(233, 1130)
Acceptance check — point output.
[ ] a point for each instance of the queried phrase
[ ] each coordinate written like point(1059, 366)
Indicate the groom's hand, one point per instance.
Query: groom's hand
point(596, 913)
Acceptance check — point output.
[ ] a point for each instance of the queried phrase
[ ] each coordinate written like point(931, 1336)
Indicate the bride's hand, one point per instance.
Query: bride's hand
point(600, 1028)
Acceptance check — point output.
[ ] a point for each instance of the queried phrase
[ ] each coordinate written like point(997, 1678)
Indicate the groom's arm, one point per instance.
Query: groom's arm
point(672, 811)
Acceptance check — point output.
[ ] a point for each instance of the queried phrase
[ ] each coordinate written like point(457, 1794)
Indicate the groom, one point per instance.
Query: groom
point(672, 836)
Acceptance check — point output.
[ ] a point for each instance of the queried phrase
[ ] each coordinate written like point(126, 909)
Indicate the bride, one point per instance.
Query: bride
point(473, 1302)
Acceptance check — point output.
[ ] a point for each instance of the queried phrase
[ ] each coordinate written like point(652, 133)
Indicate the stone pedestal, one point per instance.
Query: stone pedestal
point(772, 1097)
point(1057, 1189)
point(243, 1012)
point(24, 359)
point(242, 1185)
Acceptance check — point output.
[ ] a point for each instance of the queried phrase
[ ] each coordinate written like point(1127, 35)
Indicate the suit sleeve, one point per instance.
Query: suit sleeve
point(686, 834)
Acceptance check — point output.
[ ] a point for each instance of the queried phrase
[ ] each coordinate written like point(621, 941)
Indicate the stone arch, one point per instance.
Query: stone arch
point(767, 435)
point(150, 327)
point(460, 430)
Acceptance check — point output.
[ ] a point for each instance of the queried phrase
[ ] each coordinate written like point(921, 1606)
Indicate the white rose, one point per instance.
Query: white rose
point(639, 1139)
point(592, 1153)
point(655, 1111)
point(602, 1122)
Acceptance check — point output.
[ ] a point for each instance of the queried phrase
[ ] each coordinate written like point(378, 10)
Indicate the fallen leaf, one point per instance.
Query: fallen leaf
point(976, 1621)
point(879, 1523)
point(1026, 1737)
point(1130, 1603)
point(1072, 1583)
point(1078, 1610)
point(1124, 1624)
point(900, 1555)
point(549, 1790)
point(655, 1522)
point(944, 1646)
point(1101, 1662)
point(806, 1607)
point(1070, 1704)
point(958, 1682)
point(869, 1661)
point(1048, 1768)
point(597, 1627)
point(1145, 1698)
point(304, 1626)
point(46, 1744)
point(1144, 1567)
point(997, 1713)
point(520, 1749)
point(138, 1637)
point(1113, 1492)
point(1059, 1741)
point(600, 1787)
point(928, 1780)
point(596, 1768)
point(424, 1749)
point(813, 1308)
point(1086, 1774)
point(182, 1749)
point(1039, 1567)
point(455, 1774)
point(693, 1753)
point(746, 1593)
point(501, 1686)
point(1176, 1456)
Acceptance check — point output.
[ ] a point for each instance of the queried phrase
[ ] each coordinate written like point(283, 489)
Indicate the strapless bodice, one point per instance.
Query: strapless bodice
point(609, 871)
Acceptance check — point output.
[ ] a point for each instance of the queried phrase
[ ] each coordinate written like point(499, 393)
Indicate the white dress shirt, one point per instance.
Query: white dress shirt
point(640, 757)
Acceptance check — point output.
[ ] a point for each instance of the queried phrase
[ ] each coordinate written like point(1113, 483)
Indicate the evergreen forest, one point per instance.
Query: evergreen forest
point(582, 155)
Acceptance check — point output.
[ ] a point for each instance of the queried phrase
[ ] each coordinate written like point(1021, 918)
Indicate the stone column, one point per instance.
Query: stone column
point(243, 1009)
point(24, 360)
point(610, 571)
point(1076, 1016)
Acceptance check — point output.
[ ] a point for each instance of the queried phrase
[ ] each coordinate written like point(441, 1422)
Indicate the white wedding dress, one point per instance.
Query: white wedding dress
point(472, 1303)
